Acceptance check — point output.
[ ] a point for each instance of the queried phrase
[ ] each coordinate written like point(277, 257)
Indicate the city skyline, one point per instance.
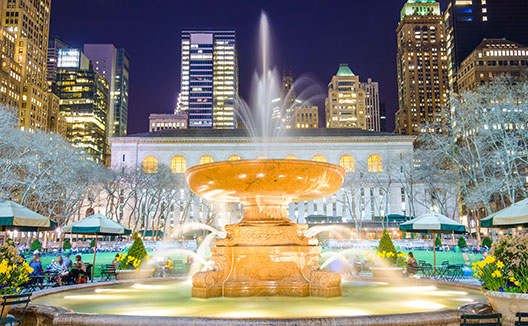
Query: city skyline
point(155, 75)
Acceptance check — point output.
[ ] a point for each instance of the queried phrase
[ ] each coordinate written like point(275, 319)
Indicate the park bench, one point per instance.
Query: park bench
point(16, 299)
point(482, 320)
point(108, 271)
point(521, 316)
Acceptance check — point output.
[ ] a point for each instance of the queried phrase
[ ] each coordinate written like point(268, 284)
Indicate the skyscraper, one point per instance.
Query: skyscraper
point(468, 22)
point(54, 45)
point(10, 70)
point(28, 21)
point(492, 58)
point(113, 65)
point(372, 104)
point(421, 66)
point(306, 116)
point(345, 104)
point(83, 95)
point(209, 78)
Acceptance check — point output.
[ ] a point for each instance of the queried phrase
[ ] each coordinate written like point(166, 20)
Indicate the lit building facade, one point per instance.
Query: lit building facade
point(366, 156)
point(372, 104)
point(209, 78)
point(56, 121)
point(490, 59)
point(306, 116)
point(345, 104)
point(29, 21)
point(468, 22)
point(10, 71)
point(54, 45)
point(284, 108)
point(160, 121)
point(113, 65)
point(421, 67)
point(84, 100)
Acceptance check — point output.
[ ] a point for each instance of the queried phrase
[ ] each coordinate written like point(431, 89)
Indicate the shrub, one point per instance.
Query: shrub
point(134, 256)
point(386, 247)
point(66, 245)
point(506, 268)
point(438, 242)
point(35, 245)
point(486, 243)
point(14, 270)
point(462, 242)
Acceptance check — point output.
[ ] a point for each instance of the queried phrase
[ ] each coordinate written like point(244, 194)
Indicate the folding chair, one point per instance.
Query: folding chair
point(16, 299)
point(482, 320)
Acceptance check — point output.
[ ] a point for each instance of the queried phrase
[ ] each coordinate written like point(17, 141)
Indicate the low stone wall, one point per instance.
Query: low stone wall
point(41, 315)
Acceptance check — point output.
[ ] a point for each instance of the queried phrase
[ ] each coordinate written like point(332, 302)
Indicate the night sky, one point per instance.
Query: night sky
point(310, 37)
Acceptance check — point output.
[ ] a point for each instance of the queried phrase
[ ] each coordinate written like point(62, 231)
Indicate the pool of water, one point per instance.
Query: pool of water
point(173, 298)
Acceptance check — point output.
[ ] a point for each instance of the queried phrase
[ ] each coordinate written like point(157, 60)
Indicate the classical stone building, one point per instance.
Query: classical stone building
point(373, 187)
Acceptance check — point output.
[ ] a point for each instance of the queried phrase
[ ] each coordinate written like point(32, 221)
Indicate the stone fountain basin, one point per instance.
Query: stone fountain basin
point(261, 182)
point(45, 315)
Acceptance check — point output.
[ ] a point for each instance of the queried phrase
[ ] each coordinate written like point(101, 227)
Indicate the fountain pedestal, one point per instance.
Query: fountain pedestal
point(265, 254)
point(267, 261)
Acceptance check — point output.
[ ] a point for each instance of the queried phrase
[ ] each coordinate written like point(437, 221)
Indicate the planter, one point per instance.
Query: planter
point(387, 272)
point(508, 304)
point(133, 274)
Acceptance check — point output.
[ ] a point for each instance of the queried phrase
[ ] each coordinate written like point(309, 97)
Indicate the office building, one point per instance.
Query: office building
point(468, 22)
point(284, 107)
point(54, 45)
point(28, 22)
point(345, 104)
point(113, 65)
point(209, 78)
point(372, 104)
point(492, 58)
point(421, 67)
point(56, 121)
point(306, 116)
point(160, 121)
point(383, 117)
point(10, 71)
point(83, 95)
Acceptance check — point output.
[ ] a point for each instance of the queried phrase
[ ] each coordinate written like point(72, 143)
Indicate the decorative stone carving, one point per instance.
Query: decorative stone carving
point(265, 254)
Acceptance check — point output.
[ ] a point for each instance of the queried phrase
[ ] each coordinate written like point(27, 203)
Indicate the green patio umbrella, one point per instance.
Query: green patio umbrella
point(514, 215)
point(96, 224)
point(150, 233)
point(433, 222)
point(13, 215)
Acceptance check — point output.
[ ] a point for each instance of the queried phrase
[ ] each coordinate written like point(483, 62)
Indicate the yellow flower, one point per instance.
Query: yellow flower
point(517, 283)
point(500, 264)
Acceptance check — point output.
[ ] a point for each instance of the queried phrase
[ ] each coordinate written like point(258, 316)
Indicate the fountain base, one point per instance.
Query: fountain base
point(266, 260)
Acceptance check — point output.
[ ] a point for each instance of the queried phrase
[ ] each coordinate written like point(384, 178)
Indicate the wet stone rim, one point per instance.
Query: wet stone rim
point(42, 315)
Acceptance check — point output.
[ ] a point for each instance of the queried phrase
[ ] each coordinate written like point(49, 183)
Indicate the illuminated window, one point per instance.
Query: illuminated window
point(374, 163)
point(178, 164)
point(206, 159)
point(319, 158)
point(347, 163)
point(234, 158)
point(150, 164)
point(262, 157)
point(291, 157)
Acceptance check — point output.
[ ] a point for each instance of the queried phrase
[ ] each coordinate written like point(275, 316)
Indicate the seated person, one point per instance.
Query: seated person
point(78, 270)
point(36, 265)
point(67, 261)
point(60, 268)
point(412, 265)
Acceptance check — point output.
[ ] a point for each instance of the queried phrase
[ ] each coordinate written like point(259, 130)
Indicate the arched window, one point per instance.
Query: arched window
point(291, 157)
point(178, 164)
point(206, 159)
point(262, 157)
point(375, 163)
point(234, 158)
point(150, 164)
point(319, 158)
point(347, 163)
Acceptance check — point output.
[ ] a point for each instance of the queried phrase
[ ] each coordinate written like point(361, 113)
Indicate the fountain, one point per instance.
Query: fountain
point(265, 254)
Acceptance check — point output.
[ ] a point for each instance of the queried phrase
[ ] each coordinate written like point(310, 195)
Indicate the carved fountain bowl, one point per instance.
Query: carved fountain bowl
point(265, 182)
